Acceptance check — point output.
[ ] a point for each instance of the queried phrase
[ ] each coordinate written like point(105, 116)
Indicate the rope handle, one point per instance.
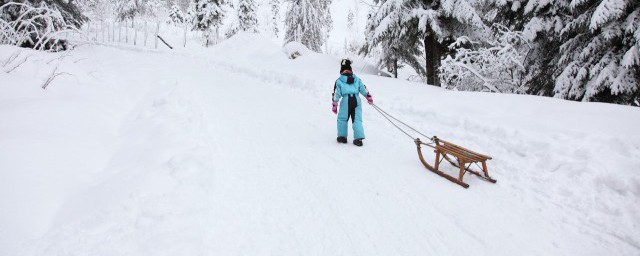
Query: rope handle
point(389, 117)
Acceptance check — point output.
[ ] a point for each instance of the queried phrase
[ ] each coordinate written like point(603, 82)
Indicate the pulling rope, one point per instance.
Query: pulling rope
point(389, 117)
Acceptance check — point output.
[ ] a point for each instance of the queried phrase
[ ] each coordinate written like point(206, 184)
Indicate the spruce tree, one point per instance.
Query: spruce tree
point(581, 50)
point(275, 16)
point(128, 9)
point(385, 33)
point(175, 14)
point(207, 14)
point(308, 22)
point(70, 10)
point(402, 28)
point(247, 20)
point(600, 57)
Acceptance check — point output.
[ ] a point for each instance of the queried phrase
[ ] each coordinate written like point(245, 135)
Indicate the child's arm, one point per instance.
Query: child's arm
point(337, 93)
point(365, 92)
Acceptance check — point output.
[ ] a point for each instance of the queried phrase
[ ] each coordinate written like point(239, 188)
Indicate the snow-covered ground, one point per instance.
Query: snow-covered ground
point(231, 151)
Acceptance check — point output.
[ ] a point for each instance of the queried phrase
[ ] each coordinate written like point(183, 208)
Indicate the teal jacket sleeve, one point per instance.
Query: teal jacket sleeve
point(363, 89)
point(337, 93)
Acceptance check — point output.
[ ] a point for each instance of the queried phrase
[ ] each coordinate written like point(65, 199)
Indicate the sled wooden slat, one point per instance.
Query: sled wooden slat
point(464, 159)
point(460, 153)
point(470, 151)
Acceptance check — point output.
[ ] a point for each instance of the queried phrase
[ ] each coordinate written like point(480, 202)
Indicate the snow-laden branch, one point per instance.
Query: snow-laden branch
point(38, 27)
point(495, 65)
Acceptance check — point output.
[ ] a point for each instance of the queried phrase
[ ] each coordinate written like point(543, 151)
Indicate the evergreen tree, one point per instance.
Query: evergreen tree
point(541, 23)
point(402, 28)
point(128, 9)
point(350, 21)
point(600, 57)
point(275, 16)
point(385, 33)
point(207, 14)
point(44, 18)
point(581, 50)
point(156, 8)
point(308, 22)
point(247, 20)
point(175, 14)
point(70, 10)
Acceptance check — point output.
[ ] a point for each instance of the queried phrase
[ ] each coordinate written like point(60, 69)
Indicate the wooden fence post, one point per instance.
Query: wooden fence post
point(102, 30)
point(185, 35)
point(88, 30)
point(119, 32)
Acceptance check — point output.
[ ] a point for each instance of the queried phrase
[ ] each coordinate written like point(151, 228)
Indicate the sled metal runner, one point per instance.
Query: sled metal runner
point(457, 156)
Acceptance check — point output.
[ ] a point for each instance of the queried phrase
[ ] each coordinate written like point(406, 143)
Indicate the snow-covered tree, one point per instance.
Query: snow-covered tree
point(308, 22)
point(600, 54)
point(69, 11)
point(156, 8)
point(581, 50)
point(128, 9)
point(541, 23)
point(175, 14)
point(350, 21)
point(247, 20)
point(385, 35)
point(190, 16)
point(403, 28)
point(275, 16)
point(207, 14)
point(38, 26)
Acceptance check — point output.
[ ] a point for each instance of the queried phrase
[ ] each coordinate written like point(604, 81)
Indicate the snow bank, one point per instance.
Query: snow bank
point(231, 150)
point(295, 50)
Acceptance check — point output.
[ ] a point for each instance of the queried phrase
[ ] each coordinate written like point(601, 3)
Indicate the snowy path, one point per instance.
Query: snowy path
point(214, 158)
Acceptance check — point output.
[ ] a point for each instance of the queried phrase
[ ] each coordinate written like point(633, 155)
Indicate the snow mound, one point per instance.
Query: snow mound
point(248, 48)
point(295, 50)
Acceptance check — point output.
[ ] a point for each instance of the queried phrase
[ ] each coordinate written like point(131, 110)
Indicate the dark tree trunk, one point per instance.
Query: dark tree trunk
point(432, 56)
point(395, 68)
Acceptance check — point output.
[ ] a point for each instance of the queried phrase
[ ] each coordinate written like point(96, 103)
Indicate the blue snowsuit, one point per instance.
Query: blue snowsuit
point(346, 91)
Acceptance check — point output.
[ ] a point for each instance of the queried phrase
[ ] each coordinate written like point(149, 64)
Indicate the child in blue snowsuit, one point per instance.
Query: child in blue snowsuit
point(345, 91)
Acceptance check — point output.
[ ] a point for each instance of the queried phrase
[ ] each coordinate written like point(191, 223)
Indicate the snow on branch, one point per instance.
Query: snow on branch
point(494, 65)
point(13, 62)
point(606, 11)
point(36, 27)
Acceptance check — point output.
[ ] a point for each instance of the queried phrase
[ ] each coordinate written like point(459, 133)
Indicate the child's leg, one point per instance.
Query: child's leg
point(358, 129)
point(343, 117)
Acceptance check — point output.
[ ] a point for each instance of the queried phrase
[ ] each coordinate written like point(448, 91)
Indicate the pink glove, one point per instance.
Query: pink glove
point(369, 99)
point(335, 108)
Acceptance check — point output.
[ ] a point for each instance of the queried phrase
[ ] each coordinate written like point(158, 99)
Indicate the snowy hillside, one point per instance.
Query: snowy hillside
point(231, 151)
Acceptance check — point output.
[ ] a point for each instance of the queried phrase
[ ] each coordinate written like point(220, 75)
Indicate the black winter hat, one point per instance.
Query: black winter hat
point(345, 65)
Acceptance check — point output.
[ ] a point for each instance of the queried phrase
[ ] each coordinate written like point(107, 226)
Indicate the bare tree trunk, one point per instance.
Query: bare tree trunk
point(432, 57)
point(395, 68)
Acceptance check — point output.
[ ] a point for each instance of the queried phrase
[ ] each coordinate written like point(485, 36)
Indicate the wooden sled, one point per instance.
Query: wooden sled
point(462, 159)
